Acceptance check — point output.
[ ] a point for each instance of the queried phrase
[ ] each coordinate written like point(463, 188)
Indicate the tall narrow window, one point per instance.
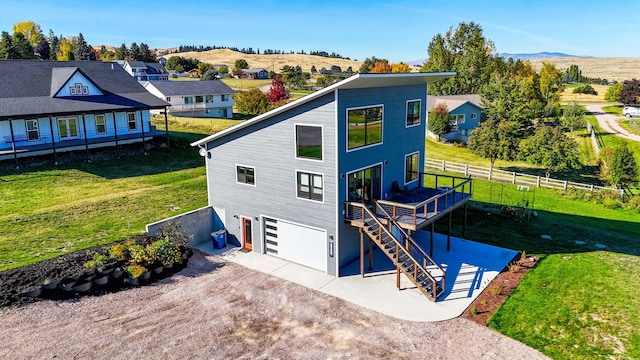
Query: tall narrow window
point(411, 167)
point(364, 126)
point(413, 112)
point(309, 142)
point(131, 121)
point(309, 186)
point(245, 175)
point(33, 133)
point(67, 127)
point(101, 124)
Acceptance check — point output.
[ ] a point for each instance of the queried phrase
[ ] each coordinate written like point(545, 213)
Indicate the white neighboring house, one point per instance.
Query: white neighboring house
point(142, 71)
point(209, 98)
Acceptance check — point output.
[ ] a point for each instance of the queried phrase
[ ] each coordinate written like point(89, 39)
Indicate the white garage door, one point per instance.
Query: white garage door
point(296, 243)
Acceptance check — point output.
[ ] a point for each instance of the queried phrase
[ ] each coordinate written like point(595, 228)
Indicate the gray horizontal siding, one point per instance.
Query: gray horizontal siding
point(271, 152)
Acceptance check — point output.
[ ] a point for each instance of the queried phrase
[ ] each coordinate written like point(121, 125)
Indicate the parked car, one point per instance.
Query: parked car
point(630, 111)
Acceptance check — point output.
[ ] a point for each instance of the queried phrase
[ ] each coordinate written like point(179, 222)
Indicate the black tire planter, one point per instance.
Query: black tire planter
point(157, 270)
point(146, 276)
point(106, 271)
point(102, 280)
point(132, 281)
point(83, 286)
point(117, 274)
point(67, 284)
point(32, 293)
point(51, 285)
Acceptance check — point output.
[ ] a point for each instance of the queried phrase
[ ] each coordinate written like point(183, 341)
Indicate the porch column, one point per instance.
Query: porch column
point(398, 276)
point(13, 143)
point(361, 253)
point(166, 125)
point(86, 141)
point(53, 141)
point(464, 223)
point(370, 255)
point(115, 131)
point(449, 232)
point(142, 125)
point(433, 226)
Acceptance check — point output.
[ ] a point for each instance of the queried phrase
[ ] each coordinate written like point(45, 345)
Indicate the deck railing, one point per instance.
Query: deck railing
point(454, 190)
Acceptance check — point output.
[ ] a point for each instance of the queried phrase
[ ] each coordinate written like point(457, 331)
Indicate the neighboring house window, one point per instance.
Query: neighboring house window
point(188, 100)
point(309, 186)
point(199, 99)
point(245, 175)
point(209, 98)
point(460, 119)
point(309, 142)
point(131, 121)
point(474, 115)
point(411, 167)
point(364, 126)
point(101, 124)
point(413, 112)
point(33, 134)
point(67, 127)
point(224, 97)
point(168, 98)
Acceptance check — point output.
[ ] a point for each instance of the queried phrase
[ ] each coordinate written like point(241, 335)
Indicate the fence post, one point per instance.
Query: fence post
point(538, 181)
point(490, 170)
point(466, 169)
point(443, 165)
point(591, 188)
point(514, 177)
point(565, 185)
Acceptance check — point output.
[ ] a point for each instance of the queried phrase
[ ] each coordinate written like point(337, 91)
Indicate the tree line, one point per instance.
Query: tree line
point(250, 50)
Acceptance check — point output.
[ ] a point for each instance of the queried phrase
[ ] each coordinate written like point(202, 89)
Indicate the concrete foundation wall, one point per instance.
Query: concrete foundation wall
point(200, 223)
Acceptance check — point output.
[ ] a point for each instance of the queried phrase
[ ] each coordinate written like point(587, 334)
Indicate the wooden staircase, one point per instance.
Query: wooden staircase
point(405, 253)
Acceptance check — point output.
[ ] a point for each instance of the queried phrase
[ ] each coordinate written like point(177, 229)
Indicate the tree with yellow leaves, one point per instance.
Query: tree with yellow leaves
point(30, 30)
point(381, 67)
point(67, 46)
point(400, 68)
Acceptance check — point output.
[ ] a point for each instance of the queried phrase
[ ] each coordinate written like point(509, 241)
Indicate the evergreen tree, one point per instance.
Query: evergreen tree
point(82, 50)
point(121, 52)
point(7, 50)
point(22, 46)
point(134, 52)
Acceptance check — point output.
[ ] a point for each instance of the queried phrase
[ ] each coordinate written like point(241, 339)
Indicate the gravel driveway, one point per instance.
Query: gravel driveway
point(609, 123)
point(219, 310)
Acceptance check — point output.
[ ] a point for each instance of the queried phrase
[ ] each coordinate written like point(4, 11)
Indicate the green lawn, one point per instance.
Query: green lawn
point(245, 84)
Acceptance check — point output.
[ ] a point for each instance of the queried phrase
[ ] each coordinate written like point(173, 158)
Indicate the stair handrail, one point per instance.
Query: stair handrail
point(412, 241)
point(405, 251)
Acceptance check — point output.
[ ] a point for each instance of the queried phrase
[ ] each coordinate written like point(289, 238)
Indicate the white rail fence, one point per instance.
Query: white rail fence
point(594, 139)
point(522, 180)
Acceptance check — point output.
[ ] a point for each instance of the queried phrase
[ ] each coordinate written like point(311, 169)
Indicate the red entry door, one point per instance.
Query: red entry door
point(247, 233)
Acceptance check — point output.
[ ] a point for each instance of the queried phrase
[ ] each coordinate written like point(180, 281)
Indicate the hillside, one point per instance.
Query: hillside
point(610, 68)
point(269, 62)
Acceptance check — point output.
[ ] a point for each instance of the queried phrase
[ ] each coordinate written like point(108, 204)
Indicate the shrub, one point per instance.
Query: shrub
point(585, 89)
point(120, 251)
point(172, 231)
point(135, 271)
point(97, 261)
point(139, 254)
point(474, 311)
point(165, 251)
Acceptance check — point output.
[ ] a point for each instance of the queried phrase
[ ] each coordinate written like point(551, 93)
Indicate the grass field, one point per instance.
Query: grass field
point(568, 96)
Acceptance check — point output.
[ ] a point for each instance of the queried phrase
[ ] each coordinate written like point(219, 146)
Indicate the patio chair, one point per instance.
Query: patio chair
point(395, 188)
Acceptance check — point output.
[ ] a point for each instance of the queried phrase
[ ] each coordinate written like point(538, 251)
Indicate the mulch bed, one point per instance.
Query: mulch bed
point(485, 305)
point(19, 280)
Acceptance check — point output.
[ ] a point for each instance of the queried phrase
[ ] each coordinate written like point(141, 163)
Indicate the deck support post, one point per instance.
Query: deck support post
point(433, 227)
point(370, 255)
point(449, 232)
point(464, 223)
point(361, 252)
point(398, 276)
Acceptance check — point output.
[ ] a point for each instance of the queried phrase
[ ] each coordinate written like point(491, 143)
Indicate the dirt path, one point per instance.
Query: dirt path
point(219, 310)
point(609, 123)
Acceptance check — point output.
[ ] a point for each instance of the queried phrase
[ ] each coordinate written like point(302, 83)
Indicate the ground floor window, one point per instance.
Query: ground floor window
point(33, 133)
point(411, 167)
point(365, 185)
point(131, 121)
point(101, 124)
point(310, 186)
point(67, 127)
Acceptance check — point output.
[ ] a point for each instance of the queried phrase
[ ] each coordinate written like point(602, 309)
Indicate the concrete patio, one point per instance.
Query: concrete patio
point(470, 268)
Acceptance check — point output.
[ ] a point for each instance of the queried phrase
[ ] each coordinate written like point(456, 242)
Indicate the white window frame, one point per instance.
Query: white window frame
point(346, 120)
point(36, 128)
point(295, 141)
point(311, 177)
point(238, 166)
point(405, 168)
point(68, 135)
point(135, 121)
point(419, 101)
point(104, 123)
point(474, 115)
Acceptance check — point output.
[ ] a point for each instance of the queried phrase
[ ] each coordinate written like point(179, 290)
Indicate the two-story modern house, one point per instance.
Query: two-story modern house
point(209, 98)
point(314, 180)
point(254, 74)
point(55, 106)
point(465, 114)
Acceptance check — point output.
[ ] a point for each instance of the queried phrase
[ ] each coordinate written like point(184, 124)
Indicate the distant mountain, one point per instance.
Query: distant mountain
point(418, 62)
point(540, 55)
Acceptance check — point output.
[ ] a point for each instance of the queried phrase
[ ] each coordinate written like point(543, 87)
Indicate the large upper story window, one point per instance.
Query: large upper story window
point(413, 112)
point(364, 126)
point(411, 167)
point(309, 142)
point(309, 186)
point(245, 175)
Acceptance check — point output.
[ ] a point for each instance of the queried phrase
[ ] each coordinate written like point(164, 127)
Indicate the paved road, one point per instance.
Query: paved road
point(609, 123)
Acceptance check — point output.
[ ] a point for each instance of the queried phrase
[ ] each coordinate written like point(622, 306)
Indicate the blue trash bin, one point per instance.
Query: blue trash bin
point(219, 238)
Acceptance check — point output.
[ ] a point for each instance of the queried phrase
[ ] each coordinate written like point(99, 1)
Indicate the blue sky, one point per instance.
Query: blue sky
point(398, 30)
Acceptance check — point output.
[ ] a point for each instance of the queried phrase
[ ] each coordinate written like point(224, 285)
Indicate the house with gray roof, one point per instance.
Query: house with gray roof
point(254, 74)
point(142, 71)
point(56, 106)
point(208, 98)
point(465, 114)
